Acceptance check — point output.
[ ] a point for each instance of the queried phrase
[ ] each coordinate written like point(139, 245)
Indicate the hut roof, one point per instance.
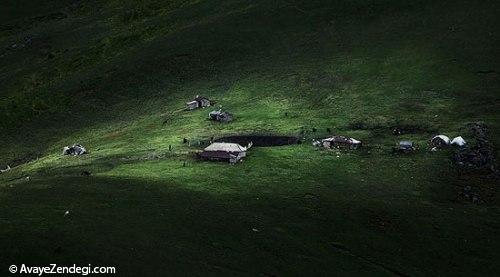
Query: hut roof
point(218, 112)
point(342, 139)
point(225, 147)
point(406, 143)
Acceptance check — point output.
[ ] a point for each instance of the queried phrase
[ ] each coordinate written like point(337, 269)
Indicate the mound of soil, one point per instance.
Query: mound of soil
point(260, 140)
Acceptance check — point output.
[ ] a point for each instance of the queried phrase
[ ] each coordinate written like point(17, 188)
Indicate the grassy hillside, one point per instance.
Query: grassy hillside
point(114, 76)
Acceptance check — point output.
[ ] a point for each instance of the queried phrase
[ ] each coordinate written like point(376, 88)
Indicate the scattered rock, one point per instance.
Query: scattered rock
point(480, 155)
point(477, 165)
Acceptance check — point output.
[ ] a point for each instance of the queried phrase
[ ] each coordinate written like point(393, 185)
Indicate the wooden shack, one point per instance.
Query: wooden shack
point(226, 152)
point(340, 142)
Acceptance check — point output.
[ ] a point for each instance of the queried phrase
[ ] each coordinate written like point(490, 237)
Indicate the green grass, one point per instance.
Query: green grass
point(113, 76)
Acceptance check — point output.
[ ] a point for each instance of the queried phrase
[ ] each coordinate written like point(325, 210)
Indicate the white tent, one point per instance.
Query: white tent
point(444, 138)
point(458, 141)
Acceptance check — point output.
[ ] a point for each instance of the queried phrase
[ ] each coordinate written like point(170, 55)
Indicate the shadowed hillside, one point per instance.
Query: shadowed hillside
point(115, 76)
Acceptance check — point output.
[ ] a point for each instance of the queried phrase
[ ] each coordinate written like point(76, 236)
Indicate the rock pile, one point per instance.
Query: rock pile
point(481, 154)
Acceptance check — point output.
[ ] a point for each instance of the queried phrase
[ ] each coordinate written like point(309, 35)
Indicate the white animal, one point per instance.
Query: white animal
point(66, 213)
